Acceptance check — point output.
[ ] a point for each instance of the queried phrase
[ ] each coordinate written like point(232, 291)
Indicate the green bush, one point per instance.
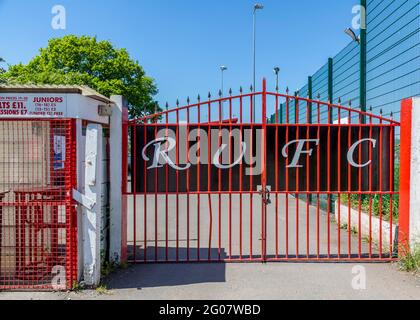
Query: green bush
point(376, 203)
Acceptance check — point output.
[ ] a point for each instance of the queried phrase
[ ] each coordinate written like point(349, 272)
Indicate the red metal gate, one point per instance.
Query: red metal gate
point(208, 183)
point(38, 244)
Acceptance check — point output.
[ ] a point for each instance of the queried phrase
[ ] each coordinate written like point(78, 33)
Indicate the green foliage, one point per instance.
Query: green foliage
point(84, 60)
point(379, 203)
point(102, 290)
point(2, 71)
point(410, 261)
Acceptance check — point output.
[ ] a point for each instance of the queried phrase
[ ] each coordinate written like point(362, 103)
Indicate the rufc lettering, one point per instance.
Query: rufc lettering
point(162, 146)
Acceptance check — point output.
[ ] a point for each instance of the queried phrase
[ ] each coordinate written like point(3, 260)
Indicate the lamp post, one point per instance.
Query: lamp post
point(257, 6)
point(361, 41)
point(223, 69)
point(277, 72)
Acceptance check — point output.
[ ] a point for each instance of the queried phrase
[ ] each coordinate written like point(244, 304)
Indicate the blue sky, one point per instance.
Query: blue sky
point(182, 43)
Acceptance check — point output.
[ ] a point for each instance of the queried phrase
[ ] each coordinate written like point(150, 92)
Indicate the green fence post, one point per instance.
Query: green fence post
point(331, 117)
point(330, 88)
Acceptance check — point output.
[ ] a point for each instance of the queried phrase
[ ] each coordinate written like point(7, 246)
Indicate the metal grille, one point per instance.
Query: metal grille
point(37, 226)
point(190, 201)
point(392, 66)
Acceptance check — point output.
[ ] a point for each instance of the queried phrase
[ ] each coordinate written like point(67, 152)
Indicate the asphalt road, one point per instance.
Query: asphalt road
point(246, 280)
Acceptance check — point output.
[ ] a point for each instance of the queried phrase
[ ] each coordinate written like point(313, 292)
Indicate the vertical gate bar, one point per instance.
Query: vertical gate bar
point(307, 179)
point(230, 177)
point(287, 176)
point(297, 178)
point(177, 188)
point(349, 189)
point(188, 184)
point(360, 190)
point(318, 180)
point(134, 187)
point(276, 145)
point(251, 194)
point(209, 175)
point(198, 167)
point(156, 196)
point(167, 193)
point(370, 186)
point(135, 190)
point(264, 169)
point(329, 180)
point(380, 187)
point(219, 188)
point(339, 185)
point(240, 177)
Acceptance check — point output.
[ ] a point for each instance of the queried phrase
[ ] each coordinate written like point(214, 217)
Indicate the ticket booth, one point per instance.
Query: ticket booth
point(54, 185)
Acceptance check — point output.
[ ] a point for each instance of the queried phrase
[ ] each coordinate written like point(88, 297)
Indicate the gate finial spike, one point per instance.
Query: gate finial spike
point(339, 100)
point(240, 89)
point(350, 103)
point(177, 102)
point(251, 88)
point(287, 90)
point(370, 109)
point(220, 93)
point(188, 100)
point(230, 91)
point(318, 96)
point(277, 88)
point(392, 115)
point(198, 97)
point(167, 106)
point(381, 112)
point(209, 96)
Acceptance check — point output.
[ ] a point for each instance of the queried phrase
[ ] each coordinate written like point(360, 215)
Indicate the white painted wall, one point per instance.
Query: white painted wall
point(116, 156)
point(91, 221)
point(415, 175)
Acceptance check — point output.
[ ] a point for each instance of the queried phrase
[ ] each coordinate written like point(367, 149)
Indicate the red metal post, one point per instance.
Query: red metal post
point(405, 177)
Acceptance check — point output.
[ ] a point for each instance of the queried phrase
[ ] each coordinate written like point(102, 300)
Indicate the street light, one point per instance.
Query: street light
point(352, 35)
point(223, 69)
point(361, 41)
point(257, 6)
point(276, 72)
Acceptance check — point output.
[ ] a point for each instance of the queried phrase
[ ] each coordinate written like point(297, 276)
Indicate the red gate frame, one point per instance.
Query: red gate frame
point(153, 121)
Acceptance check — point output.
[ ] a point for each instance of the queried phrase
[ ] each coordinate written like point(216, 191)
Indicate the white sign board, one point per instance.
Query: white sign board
point(59, 152)
point(15, 105)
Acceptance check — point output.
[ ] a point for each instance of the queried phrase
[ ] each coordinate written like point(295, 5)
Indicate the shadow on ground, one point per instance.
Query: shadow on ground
point(166, 275)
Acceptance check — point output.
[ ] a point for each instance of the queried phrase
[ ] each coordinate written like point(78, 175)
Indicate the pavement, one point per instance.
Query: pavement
point(236, 281)
point(319, 281)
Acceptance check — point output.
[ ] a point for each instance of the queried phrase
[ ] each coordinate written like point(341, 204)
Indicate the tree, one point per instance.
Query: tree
point(84, 60)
